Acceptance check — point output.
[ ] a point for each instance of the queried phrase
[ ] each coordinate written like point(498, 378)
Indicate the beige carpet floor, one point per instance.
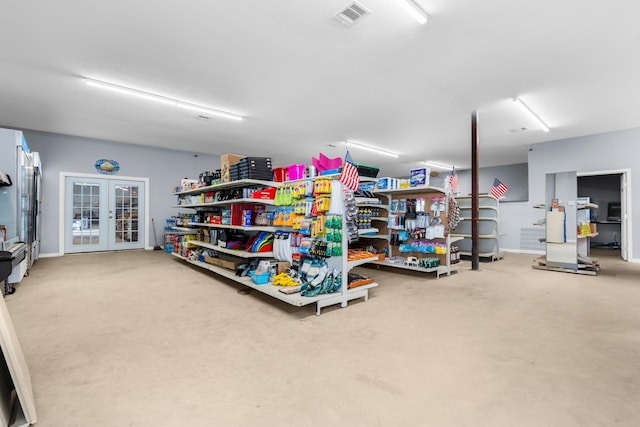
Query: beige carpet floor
point(143, 339)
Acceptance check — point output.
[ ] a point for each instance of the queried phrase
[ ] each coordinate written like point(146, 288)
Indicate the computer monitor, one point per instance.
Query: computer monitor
point(613, 212)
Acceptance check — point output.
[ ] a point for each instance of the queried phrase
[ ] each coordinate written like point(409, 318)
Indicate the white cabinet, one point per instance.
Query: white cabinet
point(488, 227)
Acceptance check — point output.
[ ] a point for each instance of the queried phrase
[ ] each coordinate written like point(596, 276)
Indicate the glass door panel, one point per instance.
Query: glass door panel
point(86, 206)
point(127, 212)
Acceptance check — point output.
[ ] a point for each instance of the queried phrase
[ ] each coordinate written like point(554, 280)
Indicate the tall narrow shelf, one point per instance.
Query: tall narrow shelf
point(488, 227)
point(445, 267)
point(564, 247)
point(323, 300)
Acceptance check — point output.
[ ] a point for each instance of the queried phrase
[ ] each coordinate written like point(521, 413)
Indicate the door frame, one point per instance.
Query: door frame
point(627, 217)
point(63, 198)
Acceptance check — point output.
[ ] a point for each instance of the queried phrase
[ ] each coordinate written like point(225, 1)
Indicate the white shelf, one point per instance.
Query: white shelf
point(380, 218)
point(274, 291)
point(243, 228)
point(355, 263)
point(484, 218)
point(367, 230)
point(453, 239)
point(482, 236)
point(227, 202)
point(422, 189)
point(185, 229)
point(492, 255)
point(439, 270)
point(235, 252)
point(372, 205)
point(229, 185)
point(374, 236)
point(491, 208)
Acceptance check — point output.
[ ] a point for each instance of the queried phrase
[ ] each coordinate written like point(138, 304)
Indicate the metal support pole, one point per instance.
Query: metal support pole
point(475, 251)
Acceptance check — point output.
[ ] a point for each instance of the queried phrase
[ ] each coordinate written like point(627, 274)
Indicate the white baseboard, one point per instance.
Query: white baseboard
point(51, 255)
point(522, 251)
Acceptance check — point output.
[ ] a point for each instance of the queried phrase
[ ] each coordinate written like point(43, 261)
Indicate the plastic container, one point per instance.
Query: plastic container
point(259, 279)
point(296, 171)
point(280, 174)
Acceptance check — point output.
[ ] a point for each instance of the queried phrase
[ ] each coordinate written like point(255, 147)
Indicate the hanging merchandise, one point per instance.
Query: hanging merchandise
point(351, 214)
point(453, 215)
point(337, 201)
point(282, 249)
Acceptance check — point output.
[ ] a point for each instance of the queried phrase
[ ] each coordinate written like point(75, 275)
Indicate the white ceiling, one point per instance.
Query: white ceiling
point(304, 81)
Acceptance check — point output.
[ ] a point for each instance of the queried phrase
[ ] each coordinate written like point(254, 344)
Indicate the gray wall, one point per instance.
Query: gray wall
point(164, 168)
point(593, 153)
point(515, 177)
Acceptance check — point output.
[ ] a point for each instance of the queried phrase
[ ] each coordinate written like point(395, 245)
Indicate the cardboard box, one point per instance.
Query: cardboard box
point(188, 184)
point(594, 227)
point(226, 160)
point(420, 177)
point(227, 263)
point(282, 266)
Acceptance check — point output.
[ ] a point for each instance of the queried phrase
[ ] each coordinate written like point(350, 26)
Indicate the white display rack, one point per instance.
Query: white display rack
point(439, 270)
point(226, 202)
point(229, 185)
point(235, 252)
point(445, 267)
point(488, 222)
point(324, 300)
point(241, 227)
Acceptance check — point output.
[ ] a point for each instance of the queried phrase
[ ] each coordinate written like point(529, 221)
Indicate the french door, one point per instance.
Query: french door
point(103, 214)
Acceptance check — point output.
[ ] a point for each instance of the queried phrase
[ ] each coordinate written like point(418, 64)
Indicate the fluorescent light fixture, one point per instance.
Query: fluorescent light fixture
point(209, 111)
point(438, 165)
point(414, 10)
point(366, 147)
point(524, 107)
point(161, 99)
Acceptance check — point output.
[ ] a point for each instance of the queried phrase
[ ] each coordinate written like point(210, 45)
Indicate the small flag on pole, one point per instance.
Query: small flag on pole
point(499, 189)
point(453, 181)
point(349, 175)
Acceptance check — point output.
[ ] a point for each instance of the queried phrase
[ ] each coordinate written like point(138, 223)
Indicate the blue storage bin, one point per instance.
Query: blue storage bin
point(259, 279)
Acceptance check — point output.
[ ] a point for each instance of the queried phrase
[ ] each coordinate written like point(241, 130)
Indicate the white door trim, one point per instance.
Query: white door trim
point(628, 238)
point(62, 200)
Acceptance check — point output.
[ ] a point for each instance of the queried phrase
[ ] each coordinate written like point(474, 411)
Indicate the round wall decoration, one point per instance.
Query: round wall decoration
point(107, 166)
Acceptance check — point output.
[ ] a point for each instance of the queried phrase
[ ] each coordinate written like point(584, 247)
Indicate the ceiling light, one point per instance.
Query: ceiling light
point(414, 10)
point(438, 165)
point(366, 147)
point(524, 107)
point(161, 99)
point(210, 111)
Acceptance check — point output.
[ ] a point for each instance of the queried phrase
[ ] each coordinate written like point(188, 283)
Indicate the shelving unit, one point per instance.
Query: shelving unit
point(488, 226)
point(323, 300)
point(564, 247)
point(426, 192)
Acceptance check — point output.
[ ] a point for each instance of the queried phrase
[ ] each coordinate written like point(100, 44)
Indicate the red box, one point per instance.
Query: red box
point(266, 194)
point(215, 219)
point(236, 212)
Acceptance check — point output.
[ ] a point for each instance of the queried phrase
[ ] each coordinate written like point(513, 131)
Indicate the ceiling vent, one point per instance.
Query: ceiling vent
point(351, 14)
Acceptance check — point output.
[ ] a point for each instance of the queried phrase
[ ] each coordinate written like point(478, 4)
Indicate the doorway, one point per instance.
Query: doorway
point(103, 214)
point(609, 190)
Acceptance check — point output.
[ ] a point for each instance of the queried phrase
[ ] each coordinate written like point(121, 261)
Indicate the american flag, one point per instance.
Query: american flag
point(349, 175)
point(499, 189)
point(453, 181)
